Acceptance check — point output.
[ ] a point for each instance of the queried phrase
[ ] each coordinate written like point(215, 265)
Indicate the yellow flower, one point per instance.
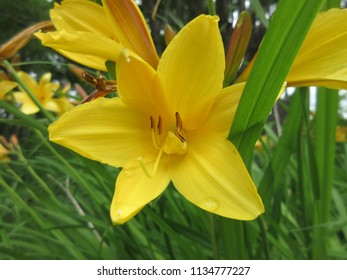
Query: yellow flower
point(3, 153)
point(91, 34)
point(44, 92)
point(322, 59)
point(341, 133)
point(169, 124)
point(5, 87)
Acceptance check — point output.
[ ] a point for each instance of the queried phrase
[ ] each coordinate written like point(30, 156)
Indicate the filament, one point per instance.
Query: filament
point(155, 167)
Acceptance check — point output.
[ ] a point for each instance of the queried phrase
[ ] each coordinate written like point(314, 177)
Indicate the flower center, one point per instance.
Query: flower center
point(175, 141)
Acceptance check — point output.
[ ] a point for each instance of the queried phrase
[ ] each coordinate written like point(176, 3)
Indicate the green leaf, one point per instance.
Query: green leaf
point(260, 12)
point(277, 52)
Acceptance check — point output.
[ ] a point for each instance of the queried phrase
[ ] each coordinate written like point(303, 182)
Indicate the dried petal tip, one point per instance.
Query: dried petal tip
point(14, 45)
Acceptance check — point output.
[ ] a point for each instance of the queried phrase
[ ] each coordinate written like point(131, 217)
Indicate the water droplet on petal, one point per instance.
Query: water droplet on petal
point(128, 173)
point(124, 212)
point(209, 204)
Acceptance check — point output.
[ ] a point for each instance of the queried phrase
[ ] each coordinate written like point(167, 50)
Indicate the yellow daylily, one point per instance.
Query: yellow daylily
point(91, 34)
point(322, 58)
point(44, 92)
point(169, 124)
point(3, 153)
point(341, 133)
point(5, 87)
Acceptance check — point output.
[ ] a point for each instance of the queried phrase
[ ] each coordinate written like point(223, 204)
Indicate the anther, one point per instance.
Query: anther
point(178, 122)
point(152, 123)
point(160, 126)
point(179, 126)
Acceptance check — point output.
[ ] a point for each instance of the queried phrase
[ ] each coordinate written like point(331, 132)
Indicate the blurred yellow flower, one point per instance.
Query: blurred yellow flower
point(3, 153)
point(5, 87)
point(44, 92)
point(176, 129)
point(91, 34)
point(341, 133)
point(322, 59)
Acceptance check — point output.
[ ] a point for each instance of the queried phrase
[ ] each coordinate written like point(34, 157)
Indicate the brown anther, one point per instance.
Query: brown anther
point(102, 86)
point(160, 125)
point(152, 123)
point(179, 124)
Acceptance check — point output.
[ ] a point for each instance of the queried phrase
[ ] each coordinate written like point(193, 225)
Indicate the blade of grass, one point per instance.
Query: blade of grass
point(284, 149)
point(326, 121)
point(260, 12)
point(276, 54)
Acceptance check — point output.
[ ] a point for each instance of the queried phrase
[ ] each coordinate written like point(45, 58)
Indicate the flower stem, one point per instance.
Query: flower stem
point(48, 115)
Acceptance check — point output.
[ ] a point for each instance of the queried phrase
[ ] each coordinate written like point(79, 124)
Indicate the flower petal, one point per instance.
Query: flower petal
point(222, 113)
point(29, 81)
point(134, 190)
point(27, 105)
point(5, 87)
point(81, 15)
point(85, 48)
point(212, 176)
point(138, 85)
point(131, 29)
point(107, 131)
point(192, 70)
point(322, 59)
point(46, 88)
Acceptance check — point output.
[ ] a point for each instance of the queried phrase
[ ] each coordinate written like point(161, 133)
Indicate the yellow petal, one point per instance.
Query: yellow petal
point(52, 105)
point(29, 81)
point(322, 59)
point(46, 87)
point(134, 190)
point(137, 84)
point(5, 87)
point(85, 48)
point(81, 15)
point(212, 176)
point(192, 70)
point(131, 29)
point(27, 105)
point(107, 131)
point(223, 111)
point(63, 105)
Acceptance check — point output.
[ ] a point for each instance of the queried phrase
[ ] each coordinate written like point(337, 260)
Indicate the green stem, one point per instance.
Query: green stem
point(48, 115)
point(211, 7)
point(326, 120)
point(27, 120)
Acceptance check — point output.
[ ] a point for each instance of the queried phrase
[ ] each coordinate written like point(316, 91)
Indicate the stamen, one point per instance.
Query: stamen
point(152, 123)
point(155, 137)
point(160, 126)
point(155, 167)
point(179, 126)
